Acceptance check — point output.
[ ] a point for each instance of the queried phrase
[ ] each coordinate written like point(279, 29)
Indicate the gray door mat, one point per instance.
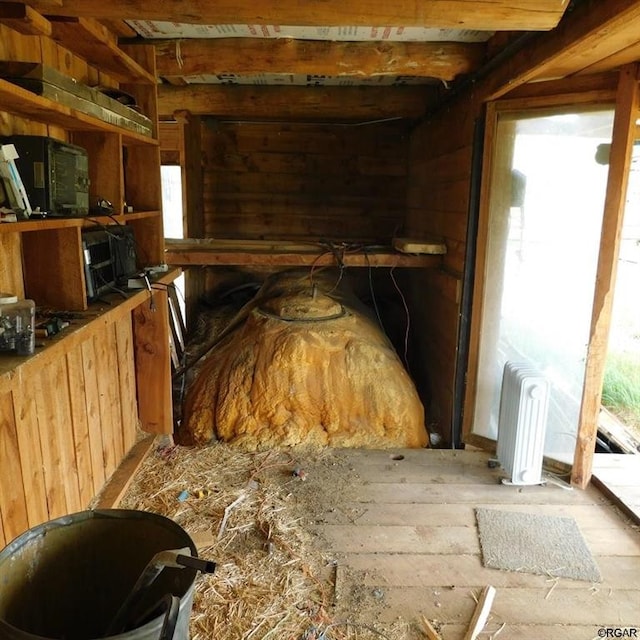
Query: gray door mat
point(531, 543)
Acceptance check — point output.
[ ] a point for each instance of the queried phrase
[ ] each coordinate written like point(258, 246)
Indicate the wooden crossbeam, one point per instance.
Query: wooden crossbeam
point(441, 60)
point(286, 103)
point(24, 19)
point(449, 14)
point(590, 34)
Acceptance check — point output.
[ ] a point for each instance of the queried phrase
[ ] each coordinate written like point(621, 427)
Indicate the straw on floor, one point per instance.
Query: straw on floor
point(531, 543)
point(240, 509)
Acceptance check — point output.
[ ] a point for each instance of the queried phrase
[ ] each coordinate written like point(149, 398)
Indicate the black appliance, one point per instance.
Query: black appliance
point(109, 258)
point(55, 175)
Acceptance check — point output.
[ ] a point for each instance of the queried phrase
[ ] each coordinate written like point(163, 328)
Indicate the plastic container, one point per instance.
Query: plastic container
point(17, 324)
point(68, 577)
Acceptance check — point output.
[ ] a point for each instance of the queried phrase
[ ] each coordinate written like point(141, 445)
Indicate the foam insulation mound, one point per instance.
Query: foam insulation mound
point(303, 366)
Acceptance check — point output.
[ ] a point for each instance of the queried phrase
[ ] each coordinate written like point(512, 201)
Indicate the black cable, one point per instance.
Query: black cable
point(373, 295)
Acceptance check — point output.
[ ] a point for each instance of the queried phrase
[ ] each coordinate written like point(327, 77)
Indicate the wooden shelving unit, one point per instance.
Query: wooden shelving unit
point(71, 411)
point(24, 226)
point(19, 101)
point(124, 168)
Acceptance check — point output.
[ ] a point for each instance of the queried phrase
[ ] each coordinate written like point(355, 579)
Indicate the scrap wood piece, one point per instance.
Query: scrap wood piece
point(227, 513)
point(428, 629)
point(481, 613)
point(430, 246)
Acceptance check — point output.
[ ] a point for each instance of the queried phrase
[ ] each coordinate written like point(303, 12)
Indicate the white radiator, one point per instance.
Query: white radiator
point(524, 404)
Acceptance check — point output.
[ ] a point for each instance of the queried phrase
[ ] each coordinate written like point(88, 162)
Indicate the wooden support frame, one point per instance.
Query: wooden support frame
point(153, 364)
point(624, 133)
point(479, 282)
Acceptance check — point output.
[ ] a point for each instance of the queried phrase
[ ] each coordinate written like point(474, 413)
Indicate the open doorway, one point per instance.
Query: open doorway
point(537, 260)
point(172, 215)
point(620, 417)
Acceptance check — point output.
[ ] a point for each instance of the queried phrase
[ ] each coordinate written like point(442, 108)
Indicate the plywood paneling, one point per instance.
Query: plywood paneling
point(438, 203)
point(12, 498)
point(77, 417)
point(127, 380)
point(33, 480)
point(11, 264)
point(99, 457)
point(80, 424)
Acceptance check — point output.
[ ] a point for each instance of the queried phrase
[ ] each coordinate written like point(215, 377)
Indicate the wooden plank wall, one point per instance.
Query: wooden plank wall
point(65, 425)
point(275, 180)
point(438, 200)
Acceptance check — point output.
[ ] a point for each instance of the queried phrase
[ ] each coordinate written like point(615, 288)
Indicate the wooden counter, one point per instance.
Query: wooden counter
point(70, 412)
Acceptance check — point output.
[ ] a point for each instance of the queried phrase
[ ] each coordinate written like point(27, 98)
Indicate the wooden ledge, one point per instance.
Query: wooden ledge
point(281, 253)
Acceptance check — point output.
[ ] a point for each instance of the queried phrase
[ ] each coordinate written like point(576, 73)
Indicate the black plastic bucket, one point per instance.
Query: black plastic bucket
point(67, 578)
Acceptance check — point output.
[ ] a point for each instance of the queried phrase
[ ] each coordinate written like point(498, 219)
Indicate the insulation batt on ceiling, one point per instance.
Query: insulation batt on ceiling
point(157, 29)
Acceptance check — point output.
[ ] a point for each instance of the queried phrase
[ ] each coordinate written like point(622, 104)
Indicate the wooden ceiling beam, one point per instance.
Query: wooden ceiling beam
point(447, 14)
point(24, 19)
point(579, 40)
point(120, 28)
point(615, 61)
point(294, 103)
point(246, 56)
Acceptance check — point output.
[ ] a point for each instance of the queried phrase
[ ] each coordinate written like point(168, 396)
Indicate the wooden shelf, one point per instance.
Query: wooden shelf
point(237, 252)
point(63, 223)
point(84, 322)
point(89, 39)
point(21, 102)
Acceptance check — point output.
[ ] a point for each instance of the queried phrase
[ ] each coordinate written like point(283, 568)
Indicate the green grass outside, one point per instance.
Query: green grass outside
point(621, 389)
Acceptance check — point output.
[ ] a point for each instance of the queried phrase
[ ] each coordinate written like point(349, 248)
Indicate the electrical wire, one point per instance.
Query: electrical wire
point(373, 295)
point(408, 316)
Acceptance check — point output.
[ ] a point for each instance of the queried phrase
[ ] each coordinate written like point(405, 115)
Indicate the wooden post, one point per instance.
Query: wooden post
point(193, 199)
point(153, 366)
point(624, 131)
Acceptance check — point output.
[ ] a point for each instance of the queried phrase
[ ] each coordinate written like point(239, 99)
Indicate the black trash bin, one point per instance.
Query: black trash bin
point(67, 578)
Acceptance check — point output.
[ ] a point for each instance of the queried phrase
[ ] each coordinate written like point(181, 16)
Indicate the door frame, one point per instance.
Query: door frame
point(626, 105)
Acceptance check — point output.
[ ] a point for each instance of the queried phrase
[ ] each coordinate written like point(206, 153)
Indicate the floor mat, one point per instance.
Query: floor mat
point(546, 545)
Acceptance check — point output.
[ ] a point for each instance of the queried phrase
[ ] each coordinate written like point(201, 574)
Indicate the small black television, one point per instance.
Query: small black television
point(55, 175)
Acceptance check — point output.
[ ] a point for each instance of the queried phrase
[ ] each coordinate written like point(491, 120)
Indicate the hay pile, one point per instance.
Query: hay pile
point(240, 509)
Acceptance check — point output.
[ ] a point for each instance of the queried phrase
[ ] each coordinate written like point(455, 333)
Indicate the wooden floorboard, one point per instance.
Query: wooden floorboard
point(403, 536)
point(398, 532)
point(117, 484)
point(619, 478)
point(467, 571)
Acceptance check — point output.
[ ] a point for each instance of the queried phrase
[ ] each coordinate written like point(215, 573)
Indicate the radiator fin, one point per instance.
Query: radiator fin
point(524, 404)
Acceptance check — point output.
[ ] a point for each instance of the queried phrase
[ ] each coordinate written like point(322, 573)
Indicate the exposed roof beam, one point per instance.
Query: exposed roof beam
point(592, 31)
point(441, 60)
point(24, 19)
point(120, 28)
point(289, 103)
point(451, 14)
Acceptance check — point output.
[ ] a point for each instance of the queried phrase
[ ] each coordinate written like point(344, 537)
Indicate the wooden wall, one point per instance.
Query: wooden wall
point(440, 160)
point(70, 412)
point(68, 415)
point(275, 180)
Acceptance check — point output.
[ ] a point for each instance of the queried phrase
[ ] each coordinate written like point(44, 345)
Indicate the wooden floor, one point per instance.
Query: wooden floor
point(618, 476)
point(404, 539)
point(399, 531)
